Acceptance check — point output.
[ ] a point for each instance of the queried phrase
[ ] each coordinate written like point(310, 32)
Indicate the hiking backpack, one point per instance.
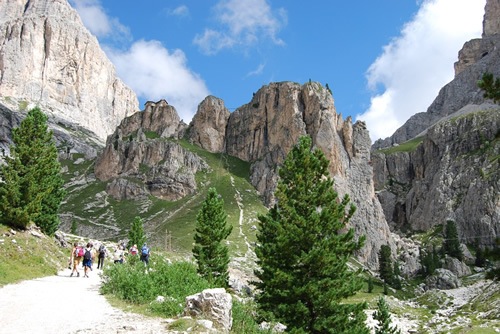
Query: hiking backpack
point(102, 251)
point(88, 255)
point(145, 251)
point(79, 252)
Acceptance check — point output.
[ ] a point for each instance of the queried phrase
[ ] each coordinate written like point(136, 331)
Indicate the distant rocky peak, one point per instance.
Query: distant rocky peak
point(491, 20)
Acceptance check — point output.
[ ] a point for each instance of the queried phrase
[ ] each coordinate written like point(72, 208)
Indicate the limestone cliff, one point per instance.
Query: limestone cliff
point(49, 59)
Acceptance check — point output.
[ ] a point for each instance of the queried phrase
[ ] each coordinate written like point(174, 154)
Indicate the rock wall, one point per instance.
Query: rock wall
point(453, 174)
point(49, 59)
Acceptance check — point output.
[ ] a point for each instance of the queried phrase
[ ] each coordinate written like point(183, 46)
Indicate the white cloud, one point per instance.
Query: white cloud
point(154, 73)
point(181, 11)
point(97, 21)
point(417, 64)
point(257, 71)
point(242, 23)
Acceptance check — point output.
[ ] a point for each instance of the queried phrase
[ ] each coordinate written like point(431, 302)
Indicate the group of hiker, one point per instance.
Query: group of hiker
point(86, 256)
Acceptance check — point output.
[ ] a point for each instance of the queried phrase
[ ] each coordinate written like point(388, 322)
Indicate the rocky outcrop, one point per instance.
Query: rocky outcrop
point(212, 304)
point(442, 279)
point(208, 127)
point(264, 131)
point(453, 174)
point(49, 59)
point(140, 155)
point(476, 57)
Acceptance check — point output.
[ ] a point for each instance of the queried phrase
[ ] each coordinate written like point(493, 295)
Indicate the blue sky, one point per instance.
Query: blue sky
point(383, 60)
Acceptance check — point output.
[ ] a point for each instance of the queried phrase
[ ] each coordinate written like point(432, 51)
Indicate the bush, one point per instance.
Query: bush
point(137, 284)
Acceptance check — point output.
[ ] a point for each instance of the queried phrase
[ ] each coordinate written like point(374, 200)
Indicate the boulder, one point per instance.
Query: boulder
point(442, 279)
point(456, 266)
point(211, 304)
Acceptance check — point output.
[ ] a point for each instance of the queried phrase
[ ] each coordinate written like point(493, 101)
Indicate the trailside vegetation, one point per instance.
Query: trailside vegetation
point(383, 317)
point(211, 254)
point(303, 250)
point(32, 187)
point(136, 234)
point(385, 264)
point(451, 245)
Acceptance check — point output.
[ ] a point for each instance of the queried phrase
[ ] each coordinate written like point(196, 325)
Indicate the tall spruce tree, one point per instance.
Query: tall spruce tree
point(210, 252)
point(32, 187)
point(385, 264)
point(451, 245)
point(303, 249)
point(491, 87)
point(136, 234)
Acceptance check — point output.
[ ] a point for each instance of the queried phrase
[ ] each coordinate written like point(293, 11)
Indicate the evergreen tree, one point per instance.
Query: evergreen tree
point(136, 234)
point(451, 245)
point(32, 187)
point(385, 264)
point(211, 230)
point(490, 86)
point(383, 316)
point(303, 249)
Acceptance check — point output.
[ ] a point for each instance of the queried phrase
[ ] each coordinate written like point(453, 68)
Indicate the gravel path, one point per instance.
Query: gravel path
point(62, 304)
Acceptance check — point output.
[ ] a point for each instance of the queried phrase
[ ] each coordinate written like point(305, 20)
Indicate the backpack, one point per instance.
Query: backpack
point(79, 252)
point(145, 251)
point(102, 251)
point(88, 255)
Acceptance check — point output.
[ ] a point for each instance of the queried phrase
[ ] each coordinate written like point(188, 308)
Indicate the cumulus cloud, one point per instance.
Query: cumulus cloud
point(98, 22)
point(154, 73)
point(180, 11)
point(242, 23)
point(407, 76)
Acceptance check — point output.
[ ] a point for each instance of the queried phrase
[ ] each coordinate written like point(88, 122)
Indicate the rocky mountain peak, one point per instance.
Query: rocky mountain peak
point(49, 59)
point(491, 21)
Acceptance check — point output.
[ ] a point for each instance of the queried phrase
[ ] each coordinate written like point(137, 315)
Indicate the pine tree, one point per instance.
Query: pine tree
point(451, 244)
point(383, 316)
point(209, 251)
point(385, 264)
point(303, 249)
point(490, 86)
point(32, 187)
point(136, 234)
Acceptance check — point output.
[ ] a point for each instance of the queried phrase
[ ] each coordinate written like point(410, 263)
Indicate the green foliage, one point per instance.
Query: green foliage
point(303, 250)
point(32, 190)
point(212, 256)
point(74, 227)
point(407, 146)
point(370, 284)
point(134, 283)
point(429, 259)
point(383, 316)
point(451, 245)
point(243, 318)
point(385, 264)
point(490, 86)
point(136, 234)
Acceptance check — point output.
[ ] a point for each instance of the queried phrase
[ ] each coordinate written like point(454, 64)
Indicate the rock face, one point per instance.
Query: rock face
point(140, 161)
point(49, 59)
point(208, 127)
point(442, 279)
point(453, 174)
point(476, 57)
point(264, 131)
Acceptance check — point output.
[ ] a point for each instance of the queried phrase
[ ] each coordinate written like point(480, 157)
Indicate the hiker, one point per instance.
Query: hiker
point(134, 250)
point(118, 255)
point(145, 254)
point(101, 256)
point(87, 260)
point(76, 258)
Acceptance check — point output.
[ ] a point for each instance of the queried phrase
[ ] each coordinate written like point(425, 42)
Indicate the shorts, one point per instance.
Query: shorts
point(87, 263)
point(76, 262)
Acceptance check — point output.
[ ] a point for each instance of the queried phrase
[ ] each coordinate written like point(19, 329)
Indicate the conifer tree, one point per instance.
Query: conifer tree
point(136, 234)
point(210, 252)
point(491, 87)
point(303, 249)
point(383, 316)
point(451, 244)
point(385, 264)
point(32, 187)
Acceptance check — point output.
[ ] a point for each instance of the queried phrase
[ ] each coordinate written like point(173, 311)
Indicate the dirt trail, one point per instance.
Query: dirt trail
point(62, 304)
